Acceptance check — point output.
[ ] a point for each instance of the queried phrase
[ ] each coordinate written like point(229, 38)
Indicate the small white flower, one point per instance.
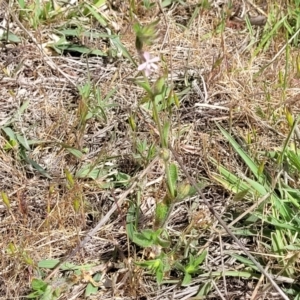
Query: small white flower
point(149, 65)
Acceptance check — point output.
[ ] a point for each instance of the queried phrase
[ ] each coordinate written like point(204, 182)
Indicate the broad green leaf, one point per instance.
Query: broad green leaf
point(78, 33)
point(38, 284)
point(90, 289)
point(161, 212)
point(147, 233)
point(69, 266)
point(163, 243)
point(141, 240)
point(88, 171)
point(34, 295)
point(48, 294)
point(183, 190)
point(22, 4)
point(10, 37)
point(48, 263)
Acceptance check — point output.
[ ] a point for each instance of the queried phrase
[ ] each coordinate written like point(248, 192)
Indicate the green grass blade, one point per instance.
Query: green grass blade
point(246, 158)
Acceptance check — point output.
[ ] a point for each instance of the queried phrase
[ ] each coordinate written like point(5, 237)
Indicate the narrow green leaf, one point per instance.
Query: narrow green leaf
point(34, 164)
point(69, 177)
point(9, 132)
point(237, 274)
point(96, 15)
point(200, 258)
point(287, 141)
point(240, 195)
point(267, 36)
point(23, 141)
point(277, 243)
point(246, 158)
point(257, 186)
point(116, 41)
point(166, 131)
point(172, 177)
point(186, 279)
point(5, 199)
point(204, 290)
point(273, 221)
point(77, 153)
point(244, 260)
point(146, 86)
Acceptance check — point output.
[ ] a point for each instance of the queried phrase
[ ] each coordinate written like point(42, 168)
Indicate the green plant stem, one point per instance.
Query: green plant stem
point(157, 121)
